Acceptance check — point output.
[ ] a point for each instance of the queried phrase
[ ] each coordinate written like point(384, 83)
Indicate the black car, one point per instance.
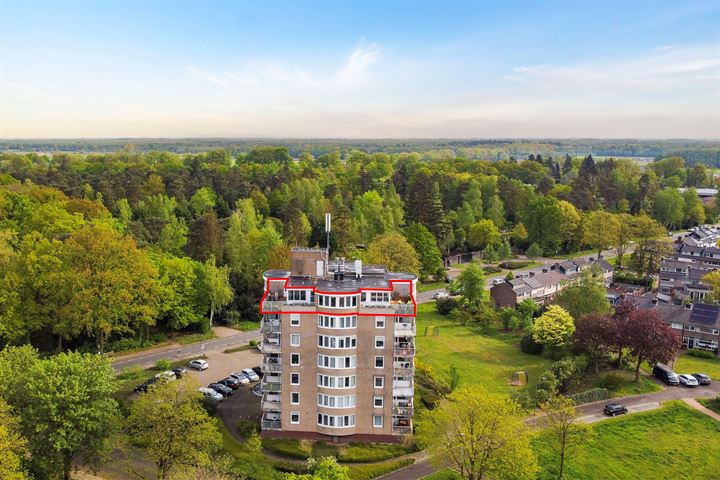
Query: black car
point(179, 372)
point(702, 378)
point(612, 409)
point(258, 370)
point(143, 387)
point(231, 382)
point(221, 389)
point(665, 374)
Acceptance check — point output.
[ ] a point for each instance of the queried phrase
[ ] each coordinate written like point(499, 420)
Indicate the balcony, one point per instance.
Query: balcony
point(402, 429)
point(269, 326)
point(405, 329)
point(404, 349)
point(270, 421)
point(402, 411)
point(273, 305)
point(270, 347)
point(271, 401)
point(272, 383)
point(271, 364)
point(403, 369)
point(397, 308)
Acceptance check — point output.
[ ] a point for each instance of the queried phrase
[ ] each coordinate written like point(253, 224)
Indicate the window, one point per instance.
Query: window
point(328, 381)
point(297, 295)
point(329, 341)
point(379, 322)
point(326, 321)
point(379, 297)
point(295, 339)
point(379, 382)
point(379, 342)
point(327, 361)
point(378, 401)
point(377, 421)
point(294, 359)
point(332, 401)
point(340, 421)
point(295, 417)
point(295, 398)
point(294, 379)
point(294, 319)
point(676, 325)
point(379, 362)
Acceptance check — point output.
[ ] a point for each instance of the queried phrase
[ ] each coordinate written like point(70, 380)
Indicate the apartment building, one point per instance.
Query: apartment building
point(338, 350)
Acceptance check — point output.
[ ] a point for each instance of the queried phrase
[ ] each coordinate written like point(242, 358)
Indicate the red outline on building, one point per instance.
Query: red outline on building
point(314, 289)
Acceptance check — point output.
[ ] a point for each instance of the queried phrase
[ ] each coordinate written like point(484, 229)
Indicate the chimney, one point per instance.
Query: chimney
point(688, 306)
point(358, 269)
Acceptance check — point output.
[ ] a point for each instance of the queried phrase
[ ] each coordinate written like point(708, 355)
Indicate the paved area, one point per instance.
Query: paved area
point(691, 402)
point(149, 357)
point(641, 407)
point(223, 364)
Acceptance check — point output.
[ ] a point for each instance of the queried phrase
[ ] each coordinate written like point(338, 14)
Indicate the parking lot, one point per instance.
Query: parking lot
point(223, 364)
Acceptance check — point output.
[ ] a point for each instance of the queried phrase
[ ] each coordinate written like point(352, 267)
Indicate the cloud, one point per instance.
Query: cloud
point(668, 66)
point(207, 76)
point(358, 64)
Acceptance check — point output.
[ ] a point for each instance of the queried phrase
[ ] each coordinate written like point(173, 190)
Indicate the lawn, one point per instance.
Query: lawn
point(689, 364)
point(424, 287)
point(711, 403)
point(620, 383)
point(483, 358)
point(671, 442)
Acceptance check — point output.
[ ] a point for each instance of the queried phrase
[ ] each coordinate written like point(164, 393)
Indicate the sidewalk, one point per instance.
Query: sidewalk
point(692, 403)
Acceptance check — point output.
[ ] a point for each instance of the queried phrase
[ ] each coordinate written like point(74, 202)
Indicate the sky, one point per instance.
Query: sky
point(372, 69)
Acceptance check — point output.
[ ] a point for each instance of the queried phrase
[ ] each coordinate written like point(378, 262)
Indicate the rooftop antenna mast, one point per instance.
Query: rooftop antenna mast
point(328, 221)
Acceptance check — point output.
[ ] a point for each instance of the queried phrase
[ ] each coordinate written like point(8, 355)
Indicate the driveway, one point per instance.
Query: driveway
point(149, 357)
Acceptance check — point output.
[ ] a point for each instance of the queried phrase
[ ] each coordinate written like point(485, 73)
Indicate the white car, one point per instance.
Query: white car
point(168, 375)
point(199, 364)
point(209, 392)
point(439, 295)
point(241, 377)
point(688, 380)
point(251, 374)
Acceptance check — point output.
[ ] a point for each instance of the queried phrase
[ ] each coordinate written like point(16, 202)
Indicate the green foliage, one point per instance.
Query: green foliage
point(530, 346)
point(426, 247)
point(589, 396)
point(446, 305)
point(534, 251)
point(13, 446)
point(65, 405)
point(554, 327)
point(471, 284)
point(163, 364)
point(393, 251)
point(368, 472)
point(584, 296)
point(515, 265)
point(693, 352)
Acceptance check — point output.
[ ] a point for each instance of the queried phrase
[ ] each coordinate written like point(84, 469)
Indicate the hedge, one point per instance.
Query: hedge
point(592, 395)
point(693, 352)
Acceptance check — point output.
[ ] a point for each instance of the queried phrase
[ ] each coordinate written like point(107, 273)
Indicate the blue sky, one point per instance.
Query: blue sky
point(364, 69)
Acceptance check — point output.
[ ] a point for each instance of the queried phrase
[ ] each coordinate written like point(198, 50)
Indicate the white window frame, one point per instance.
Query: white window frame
point(294, 319)
point(375, 418)
point(381, 341)
point(292, 394)
point(375, 401)
point(379, 321)
point(294, 356)
point(298, 378)
point(294, 339)
point(295, 414)
point(376, 361)
point(382, 382)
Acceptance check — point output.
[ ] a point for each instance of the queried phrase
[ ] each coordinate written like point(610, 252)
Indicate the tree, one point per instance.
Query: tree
point(620, 317)
point(554, 327)
point(426, 247)
point(13, 447)
point(205, 238)
point(565, 433)
point(669, 208)
point(393, 251)
point(324, 468)
point(479, 435)
point(542, 219)
point(110, 285)
point(202, 201)
point(600, 230)
point(624, 235)
point(173, 428)
point(483, 234)
point(66, 407)
point(694, 212)
point(585, 295)
point(217, 285)
point(534, 251)
point(595, 335)
point(184, 299)
point(712, 280)
point(471, 285)
point(570, 225)
point(651, 339)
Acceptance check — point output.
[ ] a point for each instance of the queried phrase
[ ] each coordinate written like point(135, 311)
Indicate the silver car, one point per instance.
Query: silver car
point(199, 364)
point(240, 377)
point(688, 380)
point(250, 374)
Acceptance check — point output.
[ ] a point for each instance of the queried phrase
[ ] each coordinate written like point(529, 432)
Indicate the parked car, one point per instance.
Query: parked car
point(143, 387)
point(258, 371)
point(240, 377)
point(231, 382)
point(664, 373)
point(439, 295)
point(251, 374)
point(209, 392)
point(688, 380)
point(612, 409)
point(221, 389)
point(179, 372)
point(497, 281)
point(198, 364)
point(702, 378)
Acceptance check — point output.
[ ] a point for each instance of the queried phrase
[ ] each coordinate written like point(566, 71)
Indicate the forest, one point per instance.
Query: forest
point(103, 248)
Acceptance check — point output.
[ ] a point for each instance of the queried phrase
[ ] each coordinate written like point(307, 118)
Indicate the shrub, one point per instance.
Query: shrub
point(163, 364)
point(446, 305)
point(286, 447)
point(529, 345)
point(490, 269)
point(132, 373)
point(592, 395)
point(126, 344)
point(515, 265)
point(246, 428)
point(631, 278)
point(693, 352)
point(210, 405)
point(358, 452)
point(367, 472)
point(425, 376)
point(547, 387)
point(253, 343)
point(611, 381)
point(322, 449)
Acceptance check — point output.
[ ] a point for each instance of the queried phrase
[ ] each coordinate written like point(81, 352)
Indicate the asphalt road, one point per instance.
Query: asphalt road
point(193, 350)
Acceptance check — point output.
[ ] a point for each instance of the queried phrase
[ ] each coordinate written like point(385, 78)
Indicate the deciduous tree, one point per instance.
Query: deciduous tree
point(585, 295)
point(393, 251)
point(554, 327)
point(566, 434)
point(595, 335)
point(651, 339)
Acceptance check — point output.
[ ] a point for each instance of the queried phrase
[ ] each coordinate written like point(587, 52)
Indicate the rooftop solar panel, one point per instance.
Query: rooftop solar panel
point(704, 313)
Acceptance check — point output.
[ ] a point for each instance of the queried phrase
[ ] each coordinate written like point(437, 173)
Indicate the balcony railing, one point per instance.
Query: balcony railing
point(271, 402)
point(402, 411)
point(271, 347)
point(405, 329)
point(270, 327)
point(402, 429)
point(271, 366)
point(404, 349)
point(401, 369)
point(397, 308)
point(273, 306)
point(270, 424)
point(272, 387)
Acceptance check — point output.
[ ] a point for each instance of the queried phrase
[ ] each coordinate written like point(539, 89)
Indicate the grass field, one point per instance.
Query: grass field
point(711, 403)
point(623, 385)
point(688, 364)
point(486, 359)
point(672, 442)
point(424, 287)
